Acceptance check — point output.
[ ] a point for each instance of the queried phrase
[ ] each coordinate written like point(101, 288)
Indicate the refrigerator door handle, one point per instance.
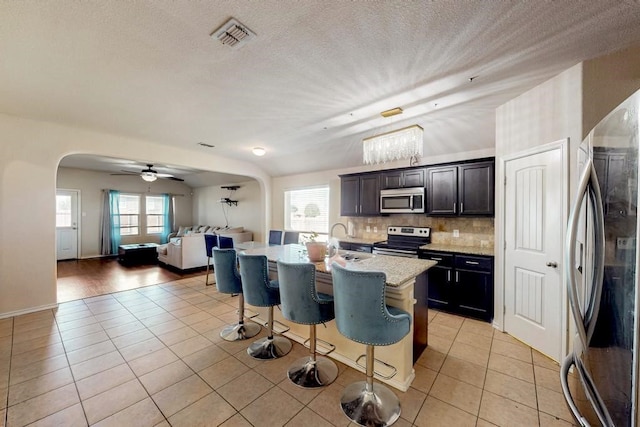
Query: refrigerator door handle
point(593, 305)
point(570, 252)
point(564, 381)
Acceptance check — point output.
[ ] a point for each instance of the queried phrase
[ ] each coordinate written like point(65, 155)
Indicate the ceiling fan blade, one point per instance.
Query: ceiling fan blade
point(126, 173)
point(173, 178)
point(164, 175)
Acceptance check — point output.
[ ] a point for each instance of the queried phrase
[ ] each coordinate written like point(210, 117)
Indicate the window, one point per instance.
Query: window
point(307, 210)
point(129, 205)
point(63, 210)
point(155, 214)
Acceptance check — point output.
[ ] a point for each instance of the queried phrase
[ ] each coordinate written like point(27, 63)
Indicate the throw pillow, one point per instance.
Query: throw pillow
point(182, 231)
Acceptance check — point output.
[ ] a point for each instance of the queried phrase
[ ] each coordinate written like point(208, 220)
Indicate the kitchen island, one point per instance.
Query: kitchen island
point(401, 276)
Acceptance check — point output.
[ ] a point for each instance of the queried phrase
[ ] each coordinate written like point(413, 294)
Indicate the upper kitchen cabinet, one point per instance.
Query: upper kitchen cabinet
point(402, 178)
point(360, 195)
point(613, 166)
point(463, 189)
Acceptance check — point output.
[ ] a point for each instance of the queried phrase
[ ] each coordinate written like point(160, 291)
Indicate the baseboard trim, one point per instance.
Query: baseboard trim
point(28, 310)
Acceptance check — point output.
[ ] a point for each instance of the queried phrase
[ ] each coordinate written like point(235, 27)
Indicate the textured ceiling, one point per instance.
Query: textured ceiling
point(310, 86)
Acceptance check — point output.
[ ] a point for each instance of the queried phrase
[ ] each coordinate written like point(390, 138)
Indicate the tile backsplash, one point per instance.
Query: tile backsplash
point(472, 231)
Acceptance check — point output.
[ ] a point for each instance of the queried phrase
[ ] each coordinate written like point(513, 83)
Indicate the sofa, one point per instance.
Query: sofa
point(186, 248)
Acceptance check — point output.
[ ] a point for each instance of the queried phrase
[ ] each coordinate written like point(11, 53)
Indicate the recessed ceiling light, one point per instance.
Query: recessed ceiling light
point(258, 151)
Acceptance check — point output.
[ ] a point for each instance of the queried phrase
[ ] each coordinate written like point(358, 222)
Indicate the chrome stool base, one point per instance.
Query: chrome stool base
point(240, 331)
point(309, 373)
point(269, 348)
point(379, 407)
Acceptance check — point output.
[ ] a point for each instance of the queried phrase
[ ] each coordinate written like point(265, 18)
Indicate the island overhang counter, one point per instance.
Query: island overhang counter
point(402, 275)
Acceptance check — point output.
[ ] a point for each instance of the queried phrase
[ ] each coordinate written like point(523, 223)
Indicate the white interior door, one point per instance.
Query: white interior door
point(67, 224)
point(534, 218)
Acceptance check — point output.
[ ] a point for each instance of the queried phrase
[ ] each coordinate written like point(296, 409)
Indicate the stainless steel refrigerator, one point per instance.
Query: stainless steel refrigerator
point(601, 274)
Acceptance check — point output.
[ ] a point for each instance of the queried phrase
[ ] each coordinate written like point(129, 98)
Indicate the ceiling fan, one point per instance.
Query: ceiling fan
point(150, 175)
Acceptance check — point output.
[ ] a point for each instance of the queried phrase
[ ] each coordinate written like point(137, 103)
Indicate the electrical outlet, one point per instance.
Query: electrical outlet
point(456, 233)
point(368, 229)
point(375, 229)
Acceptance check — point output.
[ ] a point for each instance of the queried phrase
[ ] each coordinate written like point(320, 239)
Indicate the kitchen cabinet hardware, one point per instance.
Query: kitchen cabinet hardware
point(552, 264)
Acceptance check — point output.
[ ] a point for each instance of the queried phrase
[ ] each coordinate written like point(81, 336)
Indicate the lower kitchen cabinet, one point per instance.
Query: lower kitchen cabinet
point(461, 284)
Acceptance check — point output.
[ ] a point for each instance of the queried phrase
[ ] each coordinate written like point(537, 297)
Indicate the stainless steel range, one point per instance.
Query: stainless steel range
point(403, 241)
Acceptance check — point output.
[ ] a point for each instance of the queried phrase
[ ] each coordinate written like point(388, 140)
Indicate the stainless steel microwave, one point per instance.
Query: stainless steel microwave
point(402, 200)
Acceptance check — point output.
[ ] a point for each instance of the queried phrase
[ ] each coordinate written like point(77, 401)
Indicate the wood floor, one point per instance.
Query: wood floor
point(78, 279)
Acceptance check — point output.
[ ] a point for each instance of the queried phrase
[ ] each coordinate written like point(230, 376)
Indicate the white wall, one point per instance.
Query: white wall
point(207, 209)
point(30, 152)
point(549, 112)
point(568, 105)
point(91, 184)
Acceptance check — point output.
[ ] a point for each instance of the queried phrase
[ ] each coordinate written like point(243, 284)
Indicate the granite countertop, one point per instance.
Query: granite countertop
point(398, 270)
point(470, 250)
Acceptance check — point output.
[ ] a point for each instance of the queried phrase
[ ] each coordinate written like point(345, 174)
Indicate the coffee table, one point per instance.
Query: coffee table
point(138, 253)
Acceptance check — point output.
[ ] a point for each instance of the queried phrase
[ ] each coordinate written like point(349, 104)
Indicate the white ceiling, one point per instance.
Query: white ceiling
point(310, 86)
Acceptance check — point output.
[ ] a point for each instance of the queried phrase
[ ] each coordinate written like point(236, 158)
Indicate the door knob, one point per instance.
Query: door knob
point(552, 264)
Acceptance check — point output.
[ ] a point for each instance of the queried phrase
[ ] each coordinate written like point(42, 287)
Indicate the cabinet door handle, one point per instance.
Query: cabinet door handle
point(457, 277)
point(461, 207)
point(448, 275)
point(454, 208)
point(552, 264)
point(436, 258)
point(472, 262)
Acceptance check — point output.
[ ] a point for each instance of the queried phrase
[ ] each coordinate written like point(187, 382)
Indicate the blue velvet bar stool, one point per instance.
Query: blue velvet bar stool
point(363, 316)
point(228, 280)
point(259, 291)
point(303, 304)
point(210, 242)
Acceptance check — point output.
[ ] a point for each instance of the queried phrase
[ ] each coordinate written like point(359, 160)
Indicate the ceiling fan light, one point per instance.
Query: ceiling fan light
point(148, 176)
point(259, 151)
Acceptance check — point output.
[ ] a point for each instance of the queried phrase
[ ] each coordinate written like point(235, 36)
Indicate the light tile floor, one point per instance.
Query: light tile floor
point(153, 357)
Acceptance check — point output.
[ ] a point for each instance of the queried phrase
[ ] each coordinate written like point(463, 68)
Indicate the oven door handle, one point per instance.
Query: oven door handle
point(390, 251)
point(395, 252)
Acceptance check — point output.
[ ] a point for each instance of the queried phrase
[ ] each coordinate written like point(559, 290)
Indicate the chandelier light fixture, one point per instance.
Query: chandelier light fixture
point(405, 143)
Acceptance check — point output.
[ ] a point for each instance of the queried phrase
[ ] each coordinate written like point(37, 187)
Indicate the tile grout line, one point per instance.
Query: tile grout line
point(484, 381)
point(75, 383)
point(126, 362)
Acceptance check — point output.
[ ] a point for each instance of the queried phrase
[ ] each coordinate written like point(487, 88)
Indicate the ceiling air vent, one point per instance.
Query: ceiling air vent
point(233, 34)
